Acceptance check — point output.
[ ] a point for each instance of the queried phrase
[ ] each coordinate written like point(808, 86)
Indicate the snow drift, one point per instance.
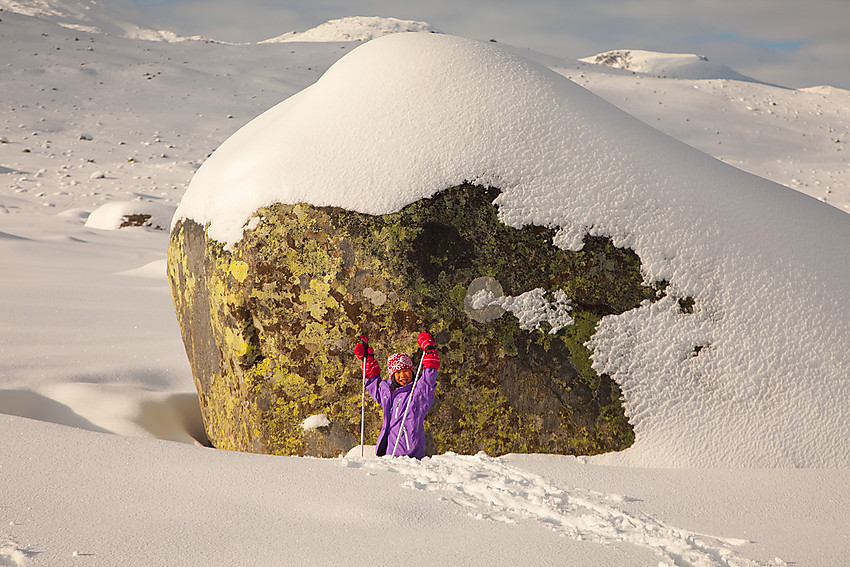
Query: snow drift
point(753, 374)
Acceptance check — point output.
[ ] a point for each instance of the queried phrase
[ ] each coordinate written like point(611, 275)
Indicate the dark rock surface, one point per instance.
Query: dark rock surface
point(269, 326)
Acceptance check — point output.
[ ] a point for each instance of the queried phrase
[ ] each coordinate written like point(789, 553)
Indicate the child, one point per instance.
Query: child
point(393, 394)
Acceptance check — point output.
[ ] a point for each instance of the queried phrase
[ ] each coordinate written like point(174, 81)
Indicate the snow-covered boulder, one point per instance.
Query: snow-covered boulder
point(755, 314)
point(116, 215)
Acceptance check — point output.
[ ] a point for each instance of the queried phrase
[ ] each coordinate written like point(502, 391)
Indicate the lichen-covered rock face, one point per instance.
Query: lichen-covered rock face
point(270, 324)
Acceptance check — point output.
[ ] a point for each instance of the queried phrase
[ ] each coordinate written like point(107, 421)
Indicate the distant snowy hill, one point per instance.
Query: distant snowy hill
point(89, 16)
point(666, 65)
point(356, 28)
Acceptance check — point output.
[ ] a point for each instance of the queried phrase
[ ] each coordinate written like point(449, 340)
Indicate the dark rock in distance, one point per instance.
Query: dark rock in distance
point(269, 326)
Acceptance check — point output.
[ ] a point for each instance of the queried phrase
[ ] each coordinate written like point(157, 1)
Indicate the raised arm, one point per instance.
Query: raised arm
point(372, 369)
point(430, 366)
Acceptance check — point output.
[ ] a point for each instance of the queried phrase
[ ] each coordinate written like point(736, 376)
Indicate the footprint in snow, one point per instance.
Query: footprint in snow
point(491, 490)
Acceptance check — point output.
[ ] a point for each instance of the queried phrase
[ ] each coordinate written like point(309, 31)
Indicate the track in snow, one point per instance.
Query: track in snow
point(491, 490)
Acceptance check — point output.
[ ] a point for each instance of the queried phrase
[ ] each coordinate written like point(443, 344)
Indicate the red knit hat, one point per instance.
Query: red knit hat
point(397, 362)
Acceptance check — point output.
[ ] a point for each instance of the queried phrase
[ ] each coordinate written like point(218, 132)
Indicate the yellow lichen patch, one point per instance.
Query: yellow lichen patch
point(235, 343)
point(292, 385)
point(316, 299)
point(239, 270)
point(226, 421)
point(285, 434)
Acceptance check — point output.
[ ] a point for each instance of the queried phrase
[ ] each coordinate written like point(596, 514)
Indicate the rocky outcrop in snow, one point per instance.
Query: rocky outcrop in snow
point(122, 214)
point(269, 325)
point(671, 65)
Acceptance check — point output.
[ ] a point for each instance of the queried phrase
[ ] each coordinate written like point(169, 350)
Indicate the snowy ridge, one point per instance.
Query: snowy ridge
point(437, 110)
point(355, 28)
point(803, 136)
point(829, 91)
point(89, 16)
point(78, 9)
point(668, 65)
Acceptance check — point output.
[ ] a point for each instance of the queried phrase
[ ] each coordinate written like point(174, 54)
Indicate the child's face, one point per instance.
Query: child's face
point(404, 376)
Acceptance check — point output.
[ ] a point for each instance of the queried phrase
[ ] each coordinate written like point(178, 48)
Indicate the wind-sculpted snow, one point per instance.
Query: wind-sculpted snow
point(752, 373)
point(489, 489)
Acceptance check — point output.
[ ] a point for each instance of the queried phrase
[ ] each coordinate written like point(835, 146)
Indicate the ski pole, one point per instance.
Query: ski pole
point(407, 406)
point(363, 395)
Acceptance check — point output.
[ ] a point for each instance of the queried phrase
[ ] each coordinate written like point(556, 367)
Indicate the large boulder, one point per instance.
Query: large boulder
point(269, 324)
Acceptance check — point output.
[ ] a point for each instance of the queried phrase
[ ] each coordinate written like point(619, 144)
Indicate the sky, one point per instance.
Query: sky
point(786, 42)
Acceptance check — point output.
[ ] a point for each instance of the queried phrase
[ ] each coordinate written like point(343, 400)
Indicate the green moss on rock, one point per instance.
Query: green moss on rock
point(269, 326)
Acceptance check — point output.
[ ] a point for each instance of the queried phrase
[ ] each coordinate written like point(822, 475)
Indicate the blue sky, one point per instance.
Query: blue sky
point(788, 42)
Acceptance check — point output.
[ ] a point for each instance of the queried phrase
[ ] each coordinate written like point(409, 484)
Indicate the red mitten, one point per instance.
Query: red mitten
point(424, 340)
point(432, 359)
point(373, 369)
point(362, 348)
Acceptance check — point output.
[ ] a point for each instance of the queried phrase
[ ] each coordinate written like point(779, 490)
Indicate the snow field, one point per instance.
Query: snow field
point(95, 499)
point(90, 118)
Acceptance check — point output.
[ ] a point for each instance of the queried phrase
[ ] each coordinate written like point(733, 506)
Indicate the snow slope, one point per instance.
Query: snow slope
point(798, 138)
point(406, 115)
point(89, 345)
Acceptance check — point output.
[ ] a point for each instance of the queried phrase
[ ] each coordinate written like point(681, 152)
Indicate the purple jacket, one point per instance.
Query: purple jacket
point(393, 402)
